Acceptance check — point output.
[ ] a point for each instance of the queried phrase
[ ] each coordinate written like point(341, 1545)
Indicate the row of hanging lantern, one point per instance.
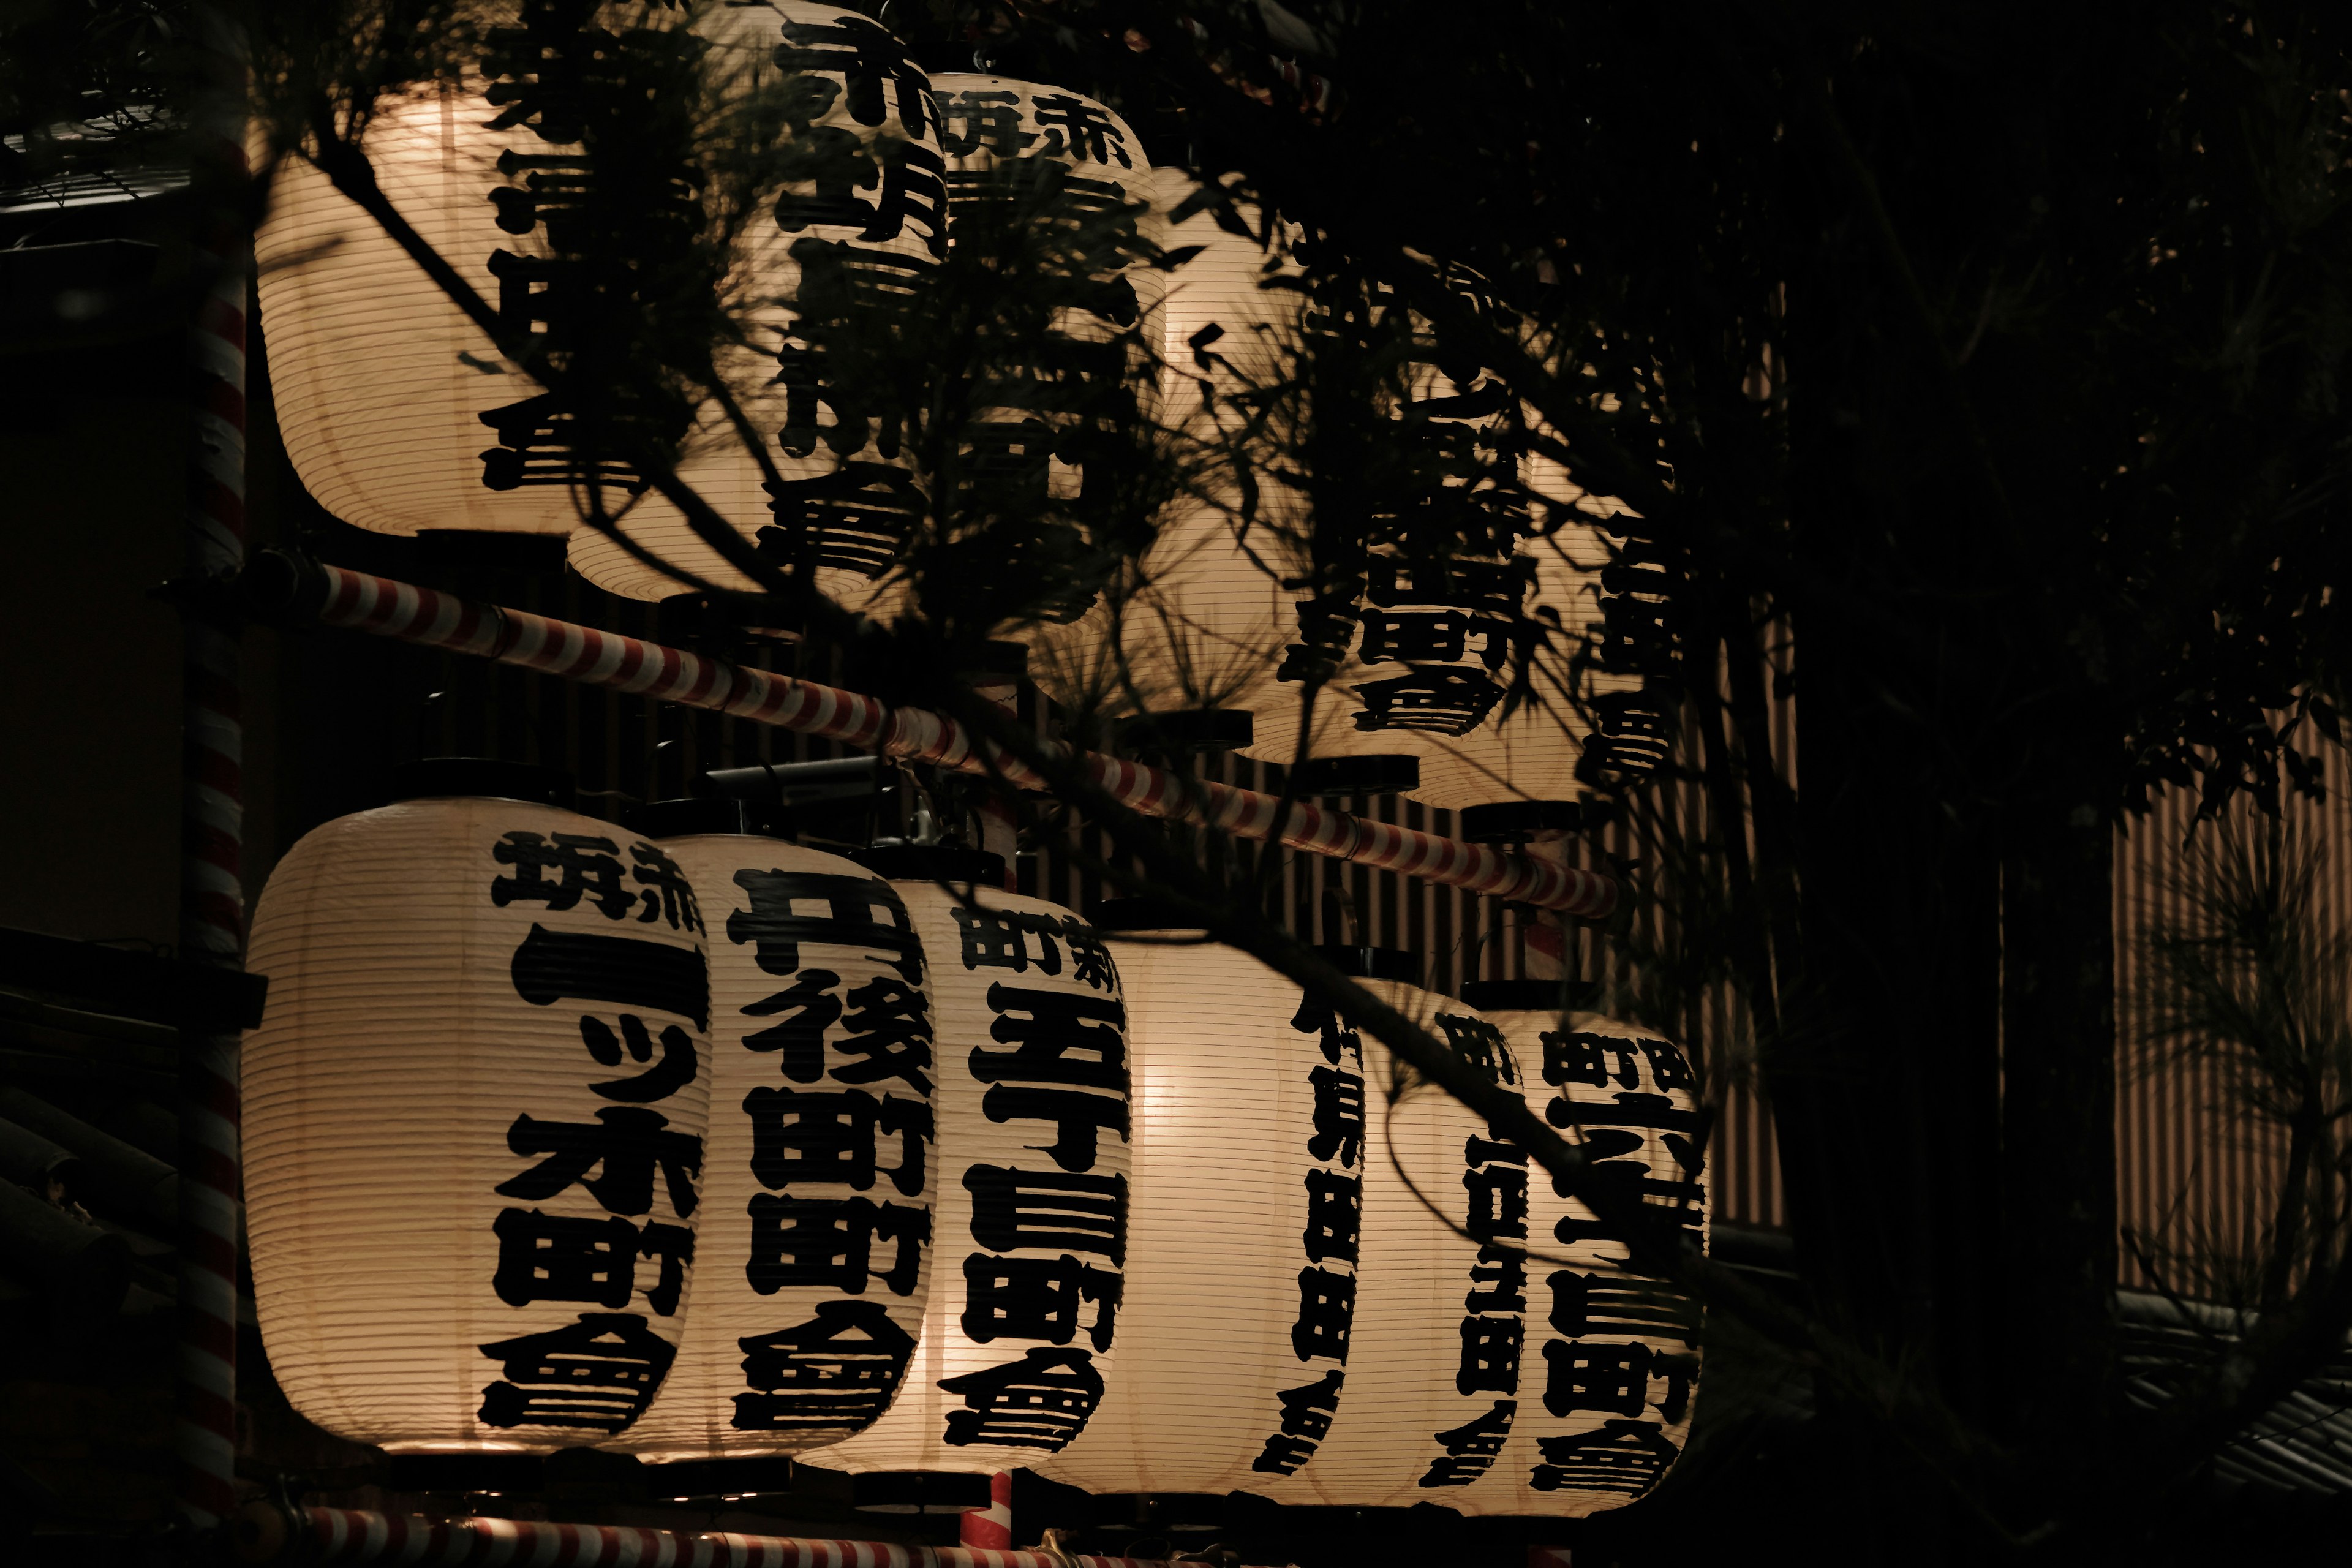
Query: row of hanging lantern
point(968, 1188)
point(693, 1142)
point(387, 393)
point(1413, 640)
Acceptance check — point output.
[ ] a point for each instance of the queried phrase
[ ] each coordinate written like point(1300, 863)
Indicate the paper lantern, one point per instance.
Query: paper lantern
point(1044, 415)
point(1534, 754)
point(1588, 677)
point(1033, 1168)
point(814, 1243)
point(399, 413)
point(1204, 623)
point(1209, 625)
point(1433, 1366)
point(853, 498)
point(474, 1116)
point(1611, 1360)
point(824, 257)
point(1419, 652)
point(1243, 1237)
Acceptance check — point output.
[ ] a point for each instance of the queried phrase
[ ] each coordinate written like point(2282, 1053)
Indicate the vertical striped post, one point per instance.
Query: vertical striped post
point(990, 1529)
point(1543, 937)
point(212, 825)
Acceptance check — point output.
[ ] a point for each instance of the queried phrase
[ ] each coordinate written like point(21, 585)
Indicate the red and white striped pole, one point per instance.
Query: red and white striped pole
point(269, 1534)
point(1543, 950)
point(990, 1529)
point(212, 815)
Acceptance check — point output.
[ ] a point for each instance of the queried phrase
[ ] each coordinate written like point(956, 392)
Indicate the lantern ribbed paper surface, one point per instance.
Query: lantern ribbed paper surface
point(814, 1243)
point(1533, 754)
point(473, 1121)
point(1206, 624)
point(1031, 1216)
point(1419, 651)
point(829, 252)
point(382, 383)
point(1433, 1364)
point(1249, 1161)
point(1612, 1360)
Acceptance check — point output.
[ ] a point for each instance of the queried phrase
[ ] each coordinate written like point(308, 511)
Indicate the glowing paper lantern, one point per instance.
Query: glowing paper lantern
point(1534, 754)
point(1433, 1365)
point(394, 406)
point(474, 1117)
point(814, 1241)
point(1415, 650)
point(1547, 749)
point(400, 414)
point(1031, 1216)
point(1611, 1359)
point(1040, 414)
point(1205, 622)
point(1637, 677)
point(826, 254)
point(1422, 656)
point(1249, 1170)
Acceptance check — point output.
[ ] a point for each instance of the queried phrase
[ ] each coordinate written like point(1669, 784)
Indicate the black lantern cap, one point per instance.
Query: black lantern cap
point(504, 1473)
point(1514, 821)
point(692, 814)
point(717, 623)
point(1191, 730)
point(1529, 996)
point(686, 1479)
point(797, 783)
point(483, 778)
point(917, 1492)
point(929, 863)
point(1379, 773)
point(446, 553)
point(1372, 963)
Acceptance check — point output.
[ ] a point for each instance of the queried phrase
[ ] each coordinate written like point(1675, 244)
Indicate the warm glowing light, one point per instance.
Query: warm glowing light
point(1017, 1346)
point(473, 1124)
point(815, 1246)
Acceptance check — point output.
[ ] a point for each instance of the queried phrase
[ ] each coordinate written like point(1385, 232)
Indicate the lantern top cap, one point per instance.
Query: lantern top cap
point(930, 863)
point(483, 778)
point(696, 815)
point(1553, 997)
point(1371, 962)
point(1371, 773)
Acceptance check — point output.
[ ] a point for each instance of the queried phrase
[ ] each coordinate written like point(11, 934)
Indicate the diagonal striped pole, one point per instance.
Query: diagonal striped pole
point(384, 607)
point(268, 1533)
point(990, 1529)
point(212, 816)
